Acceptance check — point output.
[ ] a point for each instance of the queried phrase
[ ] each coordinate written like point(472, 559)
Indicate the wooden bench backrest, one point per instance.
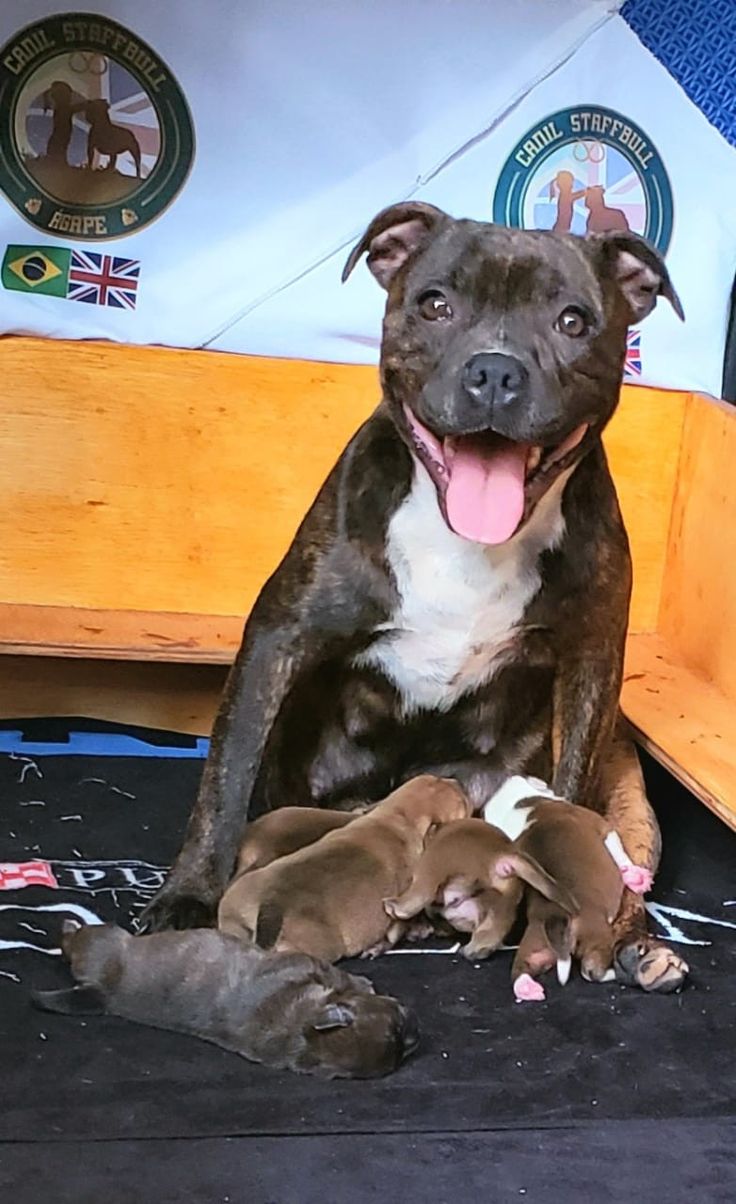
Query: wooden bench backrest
point(157, 489)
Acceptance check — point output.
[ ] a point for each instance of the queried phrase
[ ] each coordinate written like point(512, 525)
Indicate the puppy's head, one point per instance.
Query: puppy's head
point(347, 1031)
point(503, 351)
point(429, 801)
point(94, 951)
point(95, 955)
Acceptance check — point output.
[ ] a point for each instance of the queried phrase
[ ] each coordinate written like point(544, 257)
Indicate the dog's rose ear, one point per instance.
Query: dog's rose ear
point(333, 1015)
point(393, 237)
point(640, 272)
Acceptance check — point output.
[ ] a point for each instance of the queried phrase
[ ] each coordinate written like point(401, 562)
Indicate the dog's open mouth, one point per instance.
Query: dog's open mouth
point(488, 485)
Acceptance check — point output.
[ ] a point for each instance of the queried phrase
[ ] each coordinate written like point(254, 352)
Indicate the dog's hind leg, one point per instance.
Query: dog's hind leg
point(420, 894)
point(594, 948)
point(639, 959)
point(533, 958)
point(488, 935)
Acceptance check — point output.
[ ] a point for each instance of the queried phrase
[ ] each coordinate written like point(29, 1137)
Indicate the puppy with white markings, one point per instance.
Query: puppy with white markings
point(471, 874)
point(585, 855)
point(327, 899)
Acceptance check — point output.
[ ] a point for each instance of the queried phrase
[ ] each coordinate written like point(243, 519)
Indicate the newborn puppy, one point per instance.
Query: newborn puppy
point(474, 877)
point(327, 899)
point(284, 831)
point(586, 856)
point(286, 1011)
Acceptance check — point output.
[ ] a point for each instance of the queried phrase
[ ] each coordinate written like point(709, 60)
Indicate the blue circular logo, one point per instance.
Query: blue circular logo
point(586, 170)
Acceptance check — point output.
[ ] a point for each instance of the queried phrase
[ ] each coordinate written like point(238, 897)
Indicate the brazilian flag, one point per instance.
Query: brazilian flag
point(36, 269)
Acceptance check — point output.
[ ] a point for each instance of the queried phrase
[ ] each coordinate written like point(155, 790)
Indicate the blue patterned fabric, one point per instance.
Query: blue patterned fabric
point(696, 41)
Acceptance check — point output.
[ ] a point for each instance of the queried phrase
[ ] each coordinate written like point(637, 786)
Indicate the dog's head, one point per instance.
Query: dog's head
point(503, 351)
point(347, 1031)
point(95, 110)
point(427, 802)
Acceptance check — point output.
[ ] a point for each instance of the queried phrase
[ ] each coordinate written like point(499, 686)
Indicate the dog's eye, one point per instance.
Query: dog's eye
point(573, 322)
point(434, 306)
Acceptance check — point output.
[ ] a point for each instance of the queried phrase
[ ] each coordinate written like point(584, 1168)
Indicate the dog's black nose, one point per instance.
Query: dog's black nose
point(494, 379)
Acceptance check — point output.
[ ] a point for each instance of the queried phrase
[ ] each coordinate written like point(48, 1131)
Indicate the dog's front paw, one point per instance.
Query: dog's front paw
point(649, 964)
point(174, 910)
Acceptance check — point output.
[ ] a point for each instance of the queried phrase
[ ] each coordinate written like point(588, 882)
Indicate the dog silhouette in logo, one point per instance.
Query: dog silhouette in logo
point(601, 218)
point(59, 100)
point(108, 139)
point(566, 198)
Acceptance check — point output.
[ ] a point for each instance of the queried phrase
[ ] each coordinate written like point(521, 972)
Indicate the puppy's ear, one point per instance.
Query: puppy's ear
point(268, 924)
point(530, 871)
point(393, 237)
point(69, 930)
point(71, 1001)
point(639, 270)
point(333, 1015)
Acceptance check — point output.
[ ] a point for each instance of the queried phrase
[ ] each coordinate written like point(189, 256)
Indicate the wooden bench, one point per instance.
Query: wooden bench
point(149, 492)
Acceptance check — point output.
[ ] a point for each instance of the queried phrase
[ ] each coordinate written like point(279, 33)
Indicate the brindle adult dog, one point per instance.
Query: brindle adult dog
point(456, 599)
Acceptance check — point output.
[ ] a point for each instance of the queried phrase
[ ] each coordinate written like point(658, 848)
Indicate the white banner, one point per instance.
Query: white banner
point(192, 177)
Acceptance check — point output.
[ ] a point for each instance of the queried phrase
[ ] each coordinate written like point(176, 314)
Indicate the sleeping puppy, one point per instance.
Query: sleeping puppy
point(327, 899)
point(585, 855)
point(471, 874)
point(284, 831)
point(286, 1011)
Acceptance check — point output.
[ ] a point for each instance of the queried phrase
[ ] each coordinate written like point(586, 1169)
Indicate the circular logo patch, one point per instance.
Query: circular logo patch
point(96, 138)
point(585, 171)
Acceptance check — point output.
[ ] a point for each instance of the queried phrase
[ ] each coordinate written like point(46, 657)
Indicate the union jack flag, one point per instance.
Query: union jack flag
point(101, 279)
point(14, 875)
point(632, 364)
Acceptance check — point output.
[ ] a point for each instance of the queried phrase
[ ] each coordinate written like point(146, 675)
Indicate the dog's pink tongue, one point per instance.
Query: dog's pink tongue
point(485, 493)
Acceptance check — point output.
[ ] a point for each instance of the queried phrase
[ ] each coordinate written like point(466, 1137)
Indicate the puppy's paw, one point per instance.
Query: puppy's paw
point(527, 989)
point(376, 950)
point(475, 953)
point(419, 929)
point(638, 878)
point(391, 907)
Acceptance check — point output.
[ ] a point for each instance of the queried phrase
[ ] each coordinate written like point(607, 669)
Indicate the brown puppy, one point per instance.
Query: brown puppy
point(284, 831)
point(473, 876)
point(286, 1011)
point(586, 856)
point(327, 899)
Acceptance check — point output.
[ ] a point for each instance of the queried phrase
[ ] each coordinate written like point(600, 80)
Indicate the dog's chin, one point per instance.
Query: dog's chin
point(488, 486)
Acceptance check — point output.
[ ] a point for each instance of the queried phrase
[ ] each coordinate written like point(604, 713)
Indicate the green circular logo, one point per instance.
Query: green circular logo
point(586, 170)
point(96, 138)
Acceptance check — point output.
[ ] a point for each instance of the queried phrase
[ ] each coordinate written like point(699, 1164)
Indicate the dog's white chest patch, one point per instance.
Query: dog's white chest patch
point(460, 603)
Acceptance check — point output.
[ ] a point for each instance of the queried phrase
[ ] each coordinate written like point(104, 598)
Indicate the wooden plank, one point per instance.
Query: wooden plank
point(698, 611)
point(114, 634)
point(684, 720)
point(157, 480)
point(643, 446)
point(168, 482)
point(180, 698)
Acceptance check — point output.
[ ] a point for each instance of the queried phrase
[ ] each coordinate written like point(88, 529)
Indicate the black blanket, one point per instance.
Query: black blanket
point(601, 1085)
